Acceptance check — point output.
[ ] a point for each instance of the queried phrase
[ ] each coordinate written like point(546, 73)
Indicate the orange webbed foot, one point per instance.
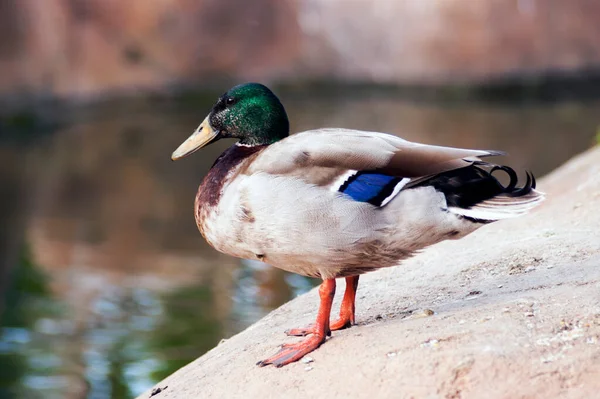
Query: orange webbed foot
point(303, 332)
point(290, 353)
point(342, 322)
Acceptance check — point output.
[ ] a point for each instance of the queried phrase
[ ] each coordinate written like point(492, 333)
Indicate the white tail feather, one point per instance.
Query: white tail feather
point(501, 207)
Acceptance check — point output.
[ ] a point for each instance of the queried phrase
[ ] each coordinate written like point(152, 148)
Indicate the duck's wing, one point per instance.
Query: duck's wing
point(344, 149)
point(376, 167)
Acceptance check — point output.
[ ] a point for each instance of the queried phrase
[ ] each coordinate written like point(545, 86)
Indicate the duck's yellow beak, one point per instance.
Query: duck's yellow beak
point(203, 135)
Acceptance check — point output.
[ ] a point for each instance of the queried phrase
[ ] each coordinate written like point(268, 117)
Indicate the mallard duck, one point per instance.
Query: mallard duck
point(330, 203)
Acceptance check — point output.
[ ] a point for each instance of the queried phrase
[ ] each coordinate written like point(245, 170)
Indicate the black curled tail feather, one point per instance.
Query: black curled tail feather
point(473, 184)
point(511, 189)
point(511, 174)
point(476, 194)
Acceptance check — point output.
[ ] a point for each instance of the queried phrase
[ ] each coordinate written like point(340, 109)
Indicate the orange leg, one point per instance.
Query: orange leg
point(347, 310)
point(290, 353)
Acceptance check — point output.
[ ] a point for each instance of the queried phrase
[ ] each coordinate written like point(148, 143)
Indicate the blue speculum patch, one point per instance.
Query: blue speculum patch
point(370, 187)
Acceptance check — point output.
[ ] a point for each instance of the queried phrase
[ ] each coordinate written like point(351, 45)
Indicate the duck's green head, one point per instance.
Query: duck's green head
point(249, 112)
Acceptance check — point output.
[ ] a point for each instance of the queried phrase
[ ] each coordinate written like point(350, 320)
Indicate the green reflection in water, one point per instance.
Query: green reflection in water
point(131, 337)
point(117, 378)
point(189, 327)
point(26, 357)
point(115, 360)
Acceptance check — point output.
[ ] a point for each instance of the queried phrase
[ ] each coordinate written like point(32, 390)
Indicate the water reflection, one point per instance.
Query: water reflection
point(190, 325)
point(27, 357)
point(133, 292)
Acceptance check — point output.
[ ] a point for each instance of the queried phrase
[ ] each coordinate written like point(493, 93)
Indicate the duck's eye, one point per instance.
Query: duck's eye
point(229, 101)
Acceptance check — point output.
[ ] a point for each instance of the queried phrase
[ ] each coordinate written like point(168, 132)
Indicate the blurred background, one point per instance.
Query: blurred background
point(106, 286)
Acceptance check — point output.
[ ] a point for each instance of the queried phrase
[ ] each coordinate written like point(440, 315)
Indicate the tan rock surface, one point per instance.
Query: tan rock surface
point(516, 314)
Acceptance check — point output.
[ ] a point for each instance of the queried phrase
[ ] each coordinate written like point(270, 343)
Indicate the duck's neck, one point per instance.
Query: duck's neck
point(224, 169)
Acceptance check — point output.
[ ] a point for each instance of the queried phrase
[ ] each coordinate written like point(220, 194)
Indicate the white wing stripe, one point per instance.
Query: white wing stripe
point(339, 182)
point(397, 189)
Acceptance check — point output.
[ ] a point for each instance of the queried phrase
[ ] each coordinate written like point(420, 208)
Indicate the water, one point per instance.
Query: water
point(106, 284)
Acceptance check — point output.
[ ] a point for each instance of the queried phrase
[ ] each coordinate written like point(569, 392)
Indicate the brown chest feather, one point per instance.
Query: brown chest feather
point(211, 188)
